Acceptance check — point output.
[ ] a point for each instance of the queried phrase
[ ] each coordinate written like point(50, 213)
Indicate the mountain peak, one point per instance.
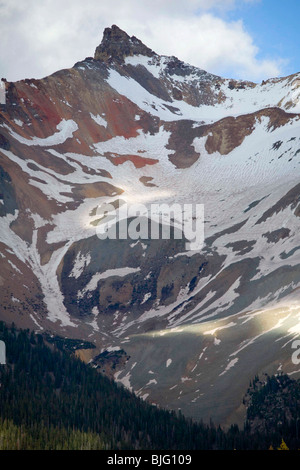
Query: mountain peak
point(117, 44)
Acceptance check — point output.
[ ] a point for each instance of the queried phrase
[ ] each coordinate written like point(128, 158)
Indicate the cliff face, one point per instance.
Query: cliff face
point(131, 126)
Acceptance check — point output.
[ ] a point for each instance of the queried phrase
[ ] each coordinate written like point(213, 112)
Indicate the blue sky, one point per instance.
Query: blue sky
point(274, 27)
point(245, 39)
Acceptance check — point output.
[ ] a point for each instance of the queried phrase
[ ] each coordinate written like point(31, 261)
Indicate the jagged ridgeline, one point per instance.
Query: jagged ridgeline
point(49, 399)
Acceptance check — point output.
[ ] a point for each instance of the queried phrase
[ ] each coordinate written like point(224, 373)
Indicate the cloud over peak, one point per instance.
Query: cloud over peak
point(39, 38)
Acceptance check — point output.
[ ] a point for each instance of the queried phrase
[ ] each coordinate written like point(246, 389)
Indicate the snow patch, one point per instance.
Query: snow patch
point(113, 348)
point(99, 120)
point(120, 272)
point(81, 262)
point(65, 128)
point(229, 366)
point(152, 381)
point(146, 297)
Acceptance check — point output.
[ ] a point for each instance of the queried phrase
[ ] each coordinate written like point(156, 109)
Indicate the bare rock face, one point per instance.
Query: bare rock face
point(130, 126)
point(116, 45)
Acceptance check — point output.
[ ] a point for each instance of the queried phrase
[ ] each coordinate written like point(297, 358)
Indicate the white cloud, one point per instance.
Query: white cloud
point(214, 45)
point(38, 38)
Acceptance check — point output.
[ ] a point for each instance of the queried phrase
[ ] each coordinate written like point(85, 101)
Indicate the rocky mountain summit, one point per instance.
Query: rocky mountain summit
point(130, 126)
point(117, 45)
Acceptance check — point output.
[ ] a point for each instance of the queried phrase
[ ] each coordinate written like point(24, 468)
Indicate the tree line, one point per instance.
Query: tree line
point(50, 399)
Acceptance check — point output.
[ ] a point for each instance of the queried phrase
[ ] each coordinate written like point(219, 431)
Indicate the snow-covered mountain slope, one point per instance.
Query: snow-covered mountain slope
point(131, 126)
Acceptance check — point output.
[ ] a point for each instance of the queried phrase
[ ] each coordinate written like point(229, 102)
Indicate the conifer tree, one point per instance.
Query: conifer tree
point(283, 446)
